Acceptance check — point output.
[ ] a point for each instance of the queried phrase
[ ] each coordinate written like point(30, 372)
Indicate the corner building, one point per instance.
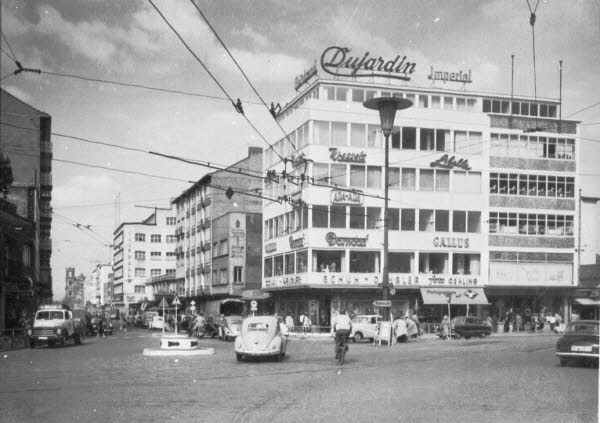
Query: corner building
point(479, 207)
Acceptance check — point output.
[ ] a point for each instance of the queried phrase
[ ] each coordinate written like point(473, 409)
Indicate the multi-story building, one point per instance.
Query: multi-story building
point(74, 289)
point(100, 276)
point(586, 298)
point(219, 235)
point(27, 153)
point(142, 250)
point(482, 206)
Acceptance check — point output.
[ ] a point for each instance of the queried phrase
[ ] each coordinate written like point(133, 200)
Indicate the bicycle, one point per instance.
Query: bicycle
point(340, 353)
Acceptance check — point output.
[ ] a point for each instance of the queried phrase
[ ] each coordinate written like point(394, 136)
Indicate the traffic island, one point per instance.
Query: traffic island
point(177, 344)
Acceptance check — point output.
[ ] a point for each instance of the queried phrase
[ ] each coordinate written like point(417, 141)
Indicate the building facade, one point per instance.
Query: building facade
point(26, 188)
point(482, 209)
point(219, 235)
point(142, 250)
point(75, 289)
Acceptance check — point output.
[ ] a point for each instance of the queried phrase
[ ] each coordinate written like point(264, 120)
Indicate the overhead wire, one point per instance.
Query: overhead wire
point(237, 105)
point(243, 73)
point(14, 56)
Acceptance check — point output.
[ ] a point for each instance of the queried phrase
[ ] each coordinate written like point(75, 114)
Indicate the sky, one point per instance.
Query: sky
point(273, 41)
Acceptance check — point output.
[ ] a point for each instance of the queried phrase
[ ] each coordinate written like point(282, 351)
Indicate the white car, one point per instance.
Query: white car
point(157, 322)
point(364, 326)
point(261, 336)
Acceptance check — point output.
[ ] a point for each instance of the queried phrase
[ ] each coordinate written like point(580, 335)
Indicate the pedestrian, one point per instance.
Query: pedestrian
point(510, 321)
point(289, 322)
point(302, 317)
point(411, 329)
point(198, 326)
point(445, 327)
point(306, 324)
point(518, 322)
point(400, 333)
point(100, 327)
point(415, 319)
point(495, 323)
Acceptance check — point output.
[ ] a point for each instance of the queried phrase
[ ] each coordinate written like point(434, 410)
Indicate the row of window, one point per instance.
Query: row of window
point(139, 237)
point(532, 147)
point(355, 217)
point(154, 255)
point(532, 185)
point(221, 276)
point(335, 261)
point(523, 108)
point(201, 193)
point(531, 224)
point(220, 248)
point(140, 271)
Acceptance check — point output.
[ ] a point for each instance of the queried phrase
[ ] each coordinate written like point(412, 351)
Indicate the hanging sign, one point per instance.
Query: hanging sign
point(338, 196)
point(332, 239)
point(337, 61)
point(382, 303)
point(337, 156)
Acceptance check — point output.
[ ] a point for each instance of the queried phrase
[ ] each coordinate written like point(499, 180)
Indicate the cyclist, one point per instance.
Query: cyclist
point(341, 328)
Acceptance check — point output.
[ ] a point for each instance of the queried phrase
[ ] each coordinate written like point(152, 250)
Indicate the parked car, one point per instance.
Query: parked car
point(261, 336)
point(364, 326)
point(467, 326)
point(230, 327)
point(211, 327)
point(148, 317)
point(157, 322)
point(94, 325)
point(579, 343)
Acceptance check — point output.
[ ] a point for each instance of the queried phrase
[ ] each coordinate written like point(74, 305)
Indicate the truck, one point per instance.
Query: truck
point(55, 325)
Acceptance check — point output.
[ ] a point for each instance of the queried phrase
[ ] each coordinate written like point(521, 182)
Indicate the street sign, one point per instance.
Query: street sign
point(163, 303)
point(176, 302)
point(253, 305)
point(382, 303)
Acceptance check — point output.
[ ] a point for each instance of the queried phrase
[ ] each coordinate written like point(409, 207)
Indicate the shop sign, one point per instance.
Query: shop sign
point(450, 242)
point(131, 299)
point(305, 76)
point(336, 61)
point(332, 239)
point(283, 281)
point(270, 248)
point(460, 76)
point(345, 197)
point(447, 162)
point(337, 156)
point(296, 243)
point(382, 303)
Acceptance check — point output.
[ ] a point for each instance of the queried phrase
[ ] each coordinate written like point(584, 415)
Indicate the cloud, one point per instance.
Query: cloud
point(259, 40)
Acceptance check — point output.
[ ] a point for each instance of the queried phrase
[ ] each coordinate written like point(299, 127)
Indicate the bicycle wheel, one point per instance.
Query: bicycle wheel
point(342, 353)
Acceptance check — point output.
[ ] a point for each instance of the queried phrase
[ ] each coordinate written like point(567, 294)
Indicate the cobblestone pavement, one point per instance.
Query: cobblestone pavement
point(499, 379)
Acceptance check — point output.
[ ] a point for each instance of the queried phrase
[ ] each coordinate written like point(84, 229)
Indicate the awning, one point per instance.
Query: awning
point(462, 296)
point(232, 300)
point(587, 301)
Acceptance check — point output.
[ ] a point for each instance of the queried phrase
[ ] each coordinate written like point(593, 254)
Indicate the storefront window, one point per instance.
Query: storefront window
point(337, 217)
point(401, 262)
point(278, 265)
point(327, 261)
point(436, 263)
point(302, 261)
point(364, 262)
point(466, 264)
point(268, 267)
point(289, 264)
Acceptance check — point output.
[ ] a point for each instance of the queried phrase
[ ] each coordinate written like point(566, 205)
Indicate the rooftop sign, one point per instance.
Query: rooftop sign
point(460, 76)
point(337, 61)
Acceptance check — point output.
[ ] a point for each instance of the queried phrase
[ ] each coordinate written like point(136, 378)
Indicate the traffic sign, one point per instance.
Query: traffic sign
point(392, 291)
point(176, 302)
point(382, 303)
point(253, 305)
point(163, 303)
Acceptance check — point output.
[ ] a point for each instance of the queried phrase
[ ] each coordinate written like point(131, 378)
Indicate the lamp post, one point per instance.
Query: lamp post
point(387, 107)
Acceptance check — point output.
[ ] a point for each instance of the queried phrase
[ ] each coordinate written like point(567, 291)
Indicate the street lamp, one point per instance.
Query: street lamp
point(387, 107)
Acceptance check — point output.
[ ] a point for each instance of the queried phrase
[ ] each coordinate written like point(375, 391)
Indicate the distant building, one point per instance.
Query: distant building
point(74, 289)
point(26, 190)
point(219, 236)
point(95, 291)
point(142, 250)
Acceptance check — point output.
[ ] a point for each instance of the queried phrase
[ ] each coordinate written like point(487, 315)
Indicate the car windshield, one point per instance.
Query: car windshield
point(582, 329)
point(235, 321)
point(49, 315)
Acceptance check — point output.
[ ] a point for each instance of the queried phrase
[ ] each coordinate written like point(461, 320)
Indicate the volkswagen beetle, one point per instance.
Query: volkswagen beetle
point(579, 343)
point(261, 336)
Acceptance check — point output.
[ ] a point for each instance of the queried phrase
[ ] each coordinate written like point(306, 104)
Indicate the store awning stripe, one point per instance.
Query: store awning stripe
point(460, 296)
point(587, 301)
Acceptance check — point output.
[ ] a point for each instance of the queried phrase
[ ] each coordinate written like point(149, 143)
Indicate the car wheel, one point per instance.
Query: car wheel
point(239, 357)
point(279, 357)
point(358, 337)
point(467, 337)
point(563, 362)
point(78, 339)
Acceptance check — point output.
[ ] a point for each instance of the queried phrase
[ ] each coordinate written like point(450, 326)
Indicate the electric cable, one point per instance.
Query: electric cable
point(243, 73)
point(237, 105)
point(14, 56)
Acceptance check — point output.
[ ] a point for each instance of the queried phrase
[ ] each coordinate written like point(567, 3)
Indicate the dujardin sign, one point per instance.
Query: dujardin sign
point(338, 61)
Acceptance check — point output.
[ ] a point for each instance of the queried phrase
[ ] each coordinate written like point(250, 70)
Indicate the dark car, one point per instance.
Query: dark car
point(466, 326)
point(579, 343)
point(94, 326)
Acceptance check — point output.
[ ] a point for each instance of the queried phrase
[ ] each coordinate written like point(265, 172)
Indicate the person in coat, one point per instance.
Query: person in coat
point(445, 327)
point(411, 329)
point(400, 333)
